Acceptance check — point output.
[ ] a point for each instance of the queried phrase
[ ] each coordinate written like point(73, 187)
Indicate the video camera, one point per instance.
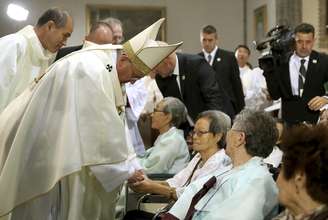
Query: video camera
point(279, 42)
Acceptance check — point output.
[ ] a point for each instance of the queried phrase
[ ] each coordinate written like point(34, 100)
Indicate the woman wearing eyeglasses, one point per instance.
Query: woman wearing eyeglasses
point(208, 140)
point(170, 152)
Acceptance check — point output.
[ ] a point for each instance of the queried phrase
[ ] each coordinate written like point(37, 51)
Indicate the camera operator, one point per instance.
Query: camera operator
point(299, 80)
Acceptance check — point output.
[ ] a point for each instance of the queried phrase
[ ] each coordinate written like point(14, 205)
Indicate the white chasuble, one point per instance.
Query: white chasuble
point(55, 131)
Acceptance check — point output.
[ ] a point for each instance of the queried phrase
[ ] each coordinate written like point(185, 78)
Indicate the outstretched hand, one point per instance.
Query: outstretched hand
point(317, 103)
point(143, 186)
point(138, 176)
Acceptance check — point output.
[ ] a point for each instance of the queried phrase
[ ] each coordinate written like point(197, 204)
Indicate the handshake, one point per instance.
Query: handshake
point(137, 176)
point(139, 182)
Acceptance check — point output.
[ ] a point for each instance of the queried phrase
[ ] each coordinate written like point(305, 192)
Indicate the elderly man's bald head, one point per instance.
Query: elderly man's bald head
point(100, 33)
point(166, 67)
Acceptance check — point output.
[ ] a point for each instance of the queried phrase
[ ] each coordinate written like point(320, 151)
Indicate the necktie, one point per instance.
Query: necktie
point(209, 58)
point(206, 187)
point(301, 76)
point(176, 92)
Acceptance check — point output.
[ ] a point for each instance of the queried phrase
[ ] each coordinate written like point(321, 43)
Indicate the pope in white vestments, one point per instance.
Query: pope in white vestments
point(62, 141)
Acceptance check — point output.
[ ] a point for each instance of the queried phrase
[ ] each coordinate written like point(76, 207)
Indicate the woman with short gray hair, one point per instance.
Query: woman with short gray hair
point(210, 128)
point(247, 191)
point(170, 152)
point(260, 132)
point(177, 110)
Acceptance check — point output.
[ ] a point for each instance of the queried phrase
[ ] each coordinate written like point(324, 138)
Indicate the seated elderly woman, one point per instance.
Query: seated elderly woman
point(247, 191)
point(303, 179)
point(170, 152)
point(208, 141)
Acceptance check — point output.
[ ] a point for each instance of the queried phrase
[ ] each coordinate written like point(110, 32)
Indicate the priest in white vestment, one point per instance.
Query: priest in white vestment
point(63, 144)
point(28, 53)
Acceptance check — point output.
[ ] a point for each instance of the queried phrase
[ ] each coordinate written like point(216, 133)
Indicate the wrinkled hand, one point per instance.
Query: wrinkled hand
point(137, 177)
point(317, 102)
point(143, 186)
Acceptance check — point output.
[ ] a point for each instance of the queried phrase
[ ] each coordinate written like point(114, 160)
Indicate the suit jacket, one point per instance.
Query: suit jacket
point(228, 76)
point(295, 108)
point(67, 50)
point(199, 89)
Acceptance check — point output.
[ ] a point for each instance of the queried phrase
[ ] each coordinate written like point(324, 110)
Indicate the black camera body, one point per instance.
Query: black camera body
point(280, 42)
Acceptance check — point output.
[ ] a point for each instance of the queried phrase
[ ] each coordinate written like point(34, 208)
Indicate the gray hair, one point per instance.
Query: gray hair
point(260, 131)
point(177, 110)
point(112, 21)
point(59, 17)
point(219, 122)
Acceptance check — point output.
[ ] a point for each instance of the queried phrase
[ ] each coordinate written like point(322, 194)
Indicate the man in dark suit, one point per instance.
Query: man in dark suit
point(299, 81)
point(192, 80)
point(225, 65)
point(100, 33)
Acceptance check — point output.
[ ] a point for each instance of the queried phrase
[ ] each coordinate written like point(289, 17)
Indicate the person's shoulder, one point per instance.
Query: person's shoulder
point(13, 41)
point(217, 161)
point(177, 135)
point(191, 61)
point(224, 52)
point(79, 60)
point(67, 50)
point(318, 55)
point(189, 57)
point(173, 134)
point(198, 183)
point(260, 173)
point(319, 58)
point(225, 158)
point(219, 155)
point(201, 53)
point(72, 48)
